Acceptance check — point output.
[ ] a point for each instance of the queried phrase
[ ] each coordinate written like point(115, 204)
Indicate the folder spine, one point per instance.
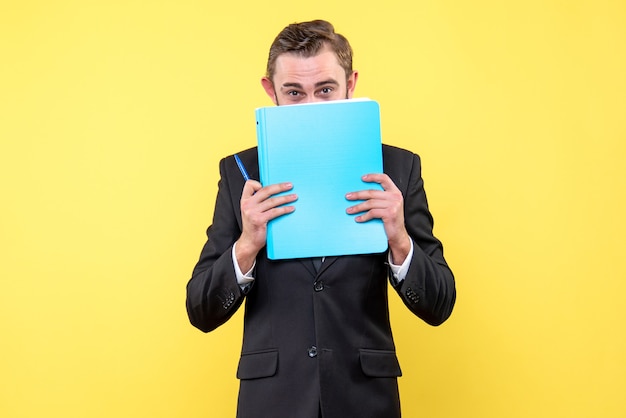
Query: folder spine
point(262, 148)
point(261, 133)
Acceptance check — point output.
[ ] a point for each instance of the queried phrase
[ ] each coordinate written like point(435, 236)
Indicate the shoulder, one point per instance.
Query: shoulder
point(400, 164)
point(248, 157)
point(248, 154)
point(396, 154)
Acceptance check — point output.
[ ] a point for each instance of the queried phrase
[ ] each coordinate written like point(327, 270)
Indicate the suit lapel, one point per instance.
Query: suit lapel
point(328, 261)
point(308, 264)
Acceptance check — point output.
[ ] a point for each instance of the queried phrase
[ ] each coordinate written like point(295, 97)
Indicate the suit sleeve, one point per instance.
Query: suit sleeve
point(213, 294)
point(428, 289)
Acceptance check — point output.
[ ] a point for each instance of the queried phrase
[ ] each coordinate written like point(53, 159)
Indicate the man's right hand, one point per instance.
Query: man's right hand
point(259, 205)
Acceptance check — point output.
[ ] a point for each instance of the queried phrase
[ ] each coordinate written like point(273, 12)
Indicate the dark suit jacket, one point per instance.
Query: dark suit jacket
point(319, 339)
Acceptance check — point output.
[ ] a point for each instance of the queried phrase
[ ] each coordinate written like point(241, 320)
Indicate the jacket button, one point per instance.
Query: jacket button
point(318, 285)
point(312, 351)
point(230, 299)
point(413, 297)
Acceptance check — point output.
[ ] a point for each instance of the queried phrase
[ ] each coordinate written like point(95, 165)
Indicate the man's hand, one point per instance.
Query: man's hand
point(259, 205)
point(387, 205)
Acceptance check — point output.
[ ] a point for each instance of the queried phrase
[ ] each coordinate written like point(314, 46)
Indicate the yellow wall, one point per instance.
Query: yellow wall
point(114, 114)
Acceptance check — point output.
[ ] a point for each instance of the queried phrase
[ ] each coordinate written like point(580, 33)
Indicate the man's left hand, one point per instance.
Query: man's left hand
point(387, 205)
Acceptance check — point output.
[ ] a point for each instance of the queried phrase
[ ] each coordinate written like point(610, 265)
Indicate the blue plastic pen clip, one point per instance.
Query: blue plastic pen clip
point(242, 168)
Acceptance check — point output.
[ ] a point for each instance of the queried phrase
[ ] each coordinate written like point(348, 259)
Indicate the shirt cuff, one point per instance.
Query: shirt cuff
point(400, 271)
point(242, 279)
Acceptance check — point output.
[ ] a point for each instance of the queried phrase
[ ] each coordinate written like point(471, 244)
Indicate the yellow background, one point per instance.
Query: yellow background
point(113, 117)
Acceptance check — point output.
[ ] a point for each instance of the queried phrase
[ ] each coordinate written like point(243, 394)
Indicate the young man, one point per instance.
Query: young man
point(317, 339)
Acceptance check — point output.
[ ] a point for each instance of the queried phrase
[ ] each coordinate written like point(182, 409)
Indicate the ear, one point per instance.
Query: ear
point(351, 83)
point(268, 86)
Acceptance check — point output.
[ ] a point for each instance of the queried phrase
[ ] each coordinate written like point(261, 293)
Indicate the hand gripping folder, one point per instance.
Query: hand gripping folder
point(323, 149)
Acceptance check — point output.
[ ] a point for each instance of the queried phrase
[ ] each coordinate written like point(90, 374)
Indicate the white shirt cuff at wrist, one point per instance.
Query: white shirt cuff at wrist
point(400, 271)
point(243, 279)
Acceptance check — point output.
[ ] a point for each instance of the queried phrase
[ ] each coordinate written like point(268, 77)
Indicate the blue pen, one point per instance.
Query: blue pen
point(244, 173)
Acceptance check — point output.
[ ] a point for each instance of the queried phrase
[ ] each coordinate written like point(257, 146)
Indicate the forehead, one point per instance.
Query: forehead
point(294, 66)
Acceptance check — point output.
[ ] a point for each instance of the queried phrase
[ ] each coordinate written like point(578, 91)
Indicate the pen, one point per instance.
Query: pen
point(244, 173)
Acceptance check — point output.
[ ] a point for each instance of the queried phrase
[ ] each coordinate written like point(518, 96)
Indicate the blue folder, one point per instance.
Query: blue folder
point(323, 149)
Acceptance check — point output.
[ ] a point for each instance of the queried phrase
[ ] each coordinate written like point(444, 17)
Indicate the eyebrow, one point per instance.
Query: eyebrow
point(318, 84)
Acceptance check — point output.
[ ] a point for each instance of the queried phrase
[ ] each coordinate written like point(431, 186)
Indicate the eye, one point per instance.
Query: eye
point(326, 90)
point(293, 93)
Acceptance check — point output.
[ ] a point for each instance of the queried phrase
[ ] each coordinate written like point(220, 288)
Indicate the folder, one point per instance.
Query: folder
point(323, 149)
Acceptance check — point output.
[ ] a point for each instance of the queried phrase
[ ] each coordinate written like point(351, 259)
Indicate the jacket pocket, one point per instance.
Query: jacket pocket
point(258, 364)
point(380, 363)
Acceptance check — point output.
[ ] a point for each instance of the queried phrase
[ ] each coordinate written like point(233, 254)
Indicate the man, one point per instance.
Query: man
point(317, 340)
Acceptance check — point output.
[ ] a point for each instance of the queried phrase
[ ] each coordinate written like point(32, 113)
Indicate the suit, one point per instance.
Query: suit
point(319, 338)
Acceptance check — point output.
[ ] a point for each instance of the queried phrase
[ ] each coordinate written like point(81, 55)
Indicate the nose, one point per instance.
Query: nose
point(312, 98)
